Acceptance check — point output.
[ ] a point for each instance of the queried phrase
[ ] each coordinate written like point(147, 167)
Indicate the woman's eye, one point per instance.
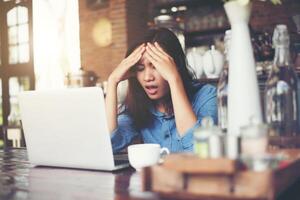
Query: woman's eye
point(140, 67)
point(151, 66)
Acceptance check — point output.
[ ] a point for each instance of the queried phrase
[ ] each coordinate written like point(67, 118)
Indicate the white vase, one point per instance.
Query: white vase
point(243, 91)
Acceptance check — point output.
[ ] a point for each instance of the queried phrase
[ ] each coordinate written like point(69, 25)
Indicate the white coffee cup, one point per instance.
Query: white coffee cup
point(143, 155)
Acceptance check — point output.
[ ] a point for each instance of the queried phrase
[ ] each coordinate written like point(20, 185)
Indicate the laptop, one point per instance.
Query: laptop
point(68, 128)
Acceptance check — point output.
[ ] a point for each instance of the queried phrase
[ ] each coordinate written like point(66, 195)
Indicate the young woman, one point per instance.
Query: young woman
point(163, 104)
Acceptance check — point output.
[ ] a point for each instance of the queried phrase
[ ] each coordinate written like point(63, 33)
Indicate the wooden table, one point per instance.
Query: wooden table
point(20, 180)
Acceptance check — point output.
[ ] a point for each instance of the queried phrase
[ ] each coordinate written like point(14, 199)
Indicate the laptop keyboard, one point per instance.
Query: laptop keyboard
point(121, 159)
point(120, 162)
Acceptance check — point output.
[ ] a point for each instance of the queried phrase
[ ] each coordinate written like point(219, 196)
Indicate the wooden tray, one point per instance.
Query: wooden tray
point(191, 164)
point(188, 183)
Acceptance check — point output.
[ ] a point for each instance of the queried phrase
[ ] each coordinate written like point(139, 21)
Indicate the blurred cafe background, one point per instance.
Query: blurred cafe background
point(76, 43)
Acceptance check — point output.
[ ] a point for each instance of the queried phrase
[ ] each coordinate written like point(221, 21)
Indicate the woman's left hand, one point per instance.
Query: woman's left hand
point(163, 63)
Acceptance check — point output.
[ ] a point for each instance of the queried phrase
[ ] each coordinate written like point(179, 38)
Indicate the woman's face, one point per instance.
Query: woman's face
point(155, 86)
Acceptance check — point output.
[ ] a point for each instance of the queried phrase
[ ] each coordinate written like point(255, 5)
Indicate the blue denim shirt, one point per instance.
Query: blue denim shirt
point(163, 129)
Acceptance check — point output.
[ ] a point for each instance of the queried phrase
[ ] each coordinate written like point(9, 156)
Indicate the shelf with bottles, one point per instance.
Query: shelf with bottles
point(262, 45)
point(261, 41)
point(262, 78)
point(200, 20)
point(214, 81)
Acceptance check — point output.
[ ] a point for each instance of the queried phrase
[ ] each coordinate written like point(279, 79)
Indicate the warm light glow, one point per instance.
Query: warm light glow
point(102, 32)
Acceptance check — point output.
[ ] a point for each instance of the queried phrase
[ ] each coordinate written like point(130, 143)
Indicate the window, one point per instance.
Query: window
point(16, 64)
point(18, 35)
point(56, 41)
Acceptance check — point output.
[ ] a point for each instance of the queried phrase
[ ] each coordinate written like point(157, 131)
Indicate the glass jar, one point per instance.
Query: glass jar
point(254, 140)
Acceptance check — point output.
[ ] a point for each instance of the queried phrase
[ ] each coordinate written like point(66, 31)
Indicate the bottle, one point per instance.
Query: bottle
point(208, 140)
point(222, 87)
point(201, 139)
point(281, 88)
point(14, 118)
point(14, 135)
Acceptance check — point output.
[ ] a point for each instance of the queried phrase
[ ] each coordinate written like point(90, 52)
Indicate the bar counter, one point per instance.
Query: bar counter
point(20, 180)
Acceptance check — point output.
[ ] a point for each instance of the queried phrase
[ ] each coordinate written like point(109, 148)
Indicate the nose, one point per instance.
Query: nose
point(148, 74)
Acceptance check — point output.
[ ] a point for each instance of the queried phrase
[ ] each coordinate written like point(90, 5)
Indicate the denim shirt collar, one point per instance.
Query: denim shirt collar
point(159, 114)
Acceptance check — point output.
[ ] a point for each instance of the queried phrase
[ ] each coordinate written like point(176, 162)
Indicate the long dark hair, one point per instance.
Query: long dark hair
point(137, 103)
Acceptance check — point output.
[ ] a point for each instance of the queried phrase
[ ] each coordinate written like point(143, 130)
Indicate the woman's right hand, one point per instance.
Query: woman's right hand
point(122, 70)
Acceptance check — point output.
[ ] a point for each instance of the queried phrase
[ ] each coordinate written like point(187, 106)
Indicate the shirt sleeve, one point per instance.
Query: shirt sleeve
point(124, 134)
point(204, 104)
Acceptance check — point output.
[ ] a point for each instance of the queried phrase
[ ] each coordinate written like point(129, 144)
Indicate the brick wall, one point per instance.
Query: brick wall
point(129, 20)
point(102, 60)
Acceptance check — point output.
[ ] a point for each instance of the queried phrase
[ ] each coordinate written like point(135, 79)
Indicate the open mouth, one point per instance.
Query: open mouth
point(151, 90)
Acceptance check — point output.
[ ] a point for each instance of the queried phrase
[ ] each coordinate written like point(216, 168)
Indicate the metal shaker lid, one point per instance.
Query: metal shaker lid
point(254, 129)
point(207, 128)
